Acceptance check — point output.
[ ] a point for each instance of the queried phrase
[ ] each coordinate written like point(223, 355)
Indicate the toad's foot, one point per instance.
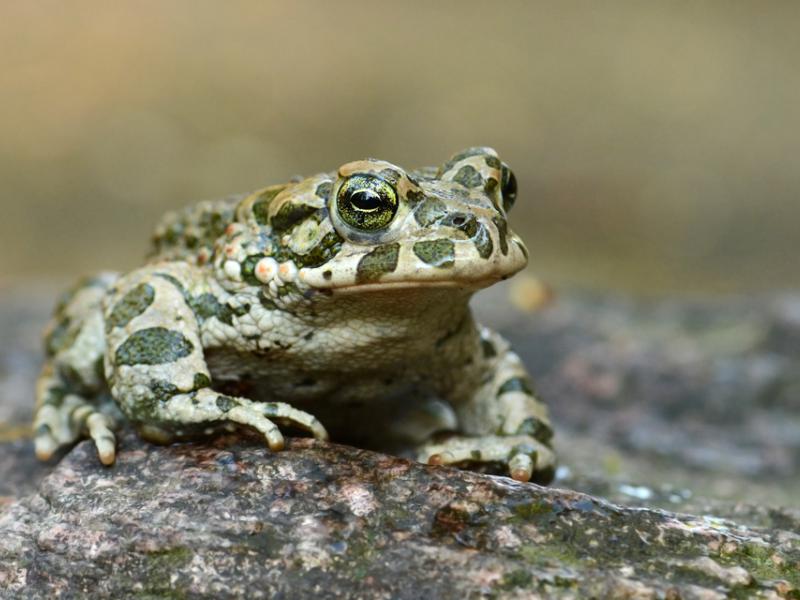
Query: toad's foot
point(522, 457)
point(61, 425)
point(206, 407)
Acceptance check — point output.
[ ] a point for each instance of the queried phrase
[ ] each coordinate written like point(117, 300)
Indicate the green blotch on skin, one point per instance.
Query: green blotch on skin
point(324, 190)
point(489, 351)
point(261, 205)
point(288, 289)
point(206, 305)
point(493, 162)
point(391, 175)
point(456, 158)
point(225, 403)
point(536, 429)
point(72, 378)
point(55, 395)
point(267, 302)
point(201, 380)
point(502, 233)
point(469, 177)
point(291, 214)
point(153, 346)
point(381, 260)
point(133, 304)
point(270, 409)
point(483, 242)
point(415, 196)
point(249, 268)
point(61, 337)
point(430, 211)
point(328, 247)
point(516, 384)
point(163, 390)
point(439, 253)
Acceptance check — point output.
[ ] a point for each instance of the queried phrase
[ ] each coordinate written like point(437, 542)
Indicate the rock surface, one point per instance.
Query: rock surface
point(330, 521)
point(663, 410)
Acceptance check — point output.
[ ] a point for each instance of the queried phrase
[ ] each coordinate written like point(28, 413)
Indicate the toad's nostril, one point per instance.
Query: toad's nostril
point(459, 221)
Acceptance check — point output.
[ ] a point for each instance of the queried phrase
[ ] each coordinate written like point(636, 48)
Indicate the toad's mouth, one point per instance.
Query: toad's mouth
point(403, 269)
point(411, 284)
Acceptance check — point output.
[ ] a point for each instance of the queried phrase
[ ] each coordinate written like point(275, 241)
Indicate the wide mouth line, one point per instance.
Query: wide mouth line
point(416, 283)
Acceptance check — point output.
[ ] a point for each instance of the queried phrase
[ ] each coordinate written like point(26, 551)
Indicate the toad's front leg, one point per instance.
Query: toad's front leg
point(157, 371)
point(503, 423)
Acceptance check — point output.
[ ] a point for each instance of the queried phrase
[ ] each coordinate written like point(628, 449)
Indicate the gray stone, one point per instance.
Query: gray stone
point(677, 424)
point(232, 519)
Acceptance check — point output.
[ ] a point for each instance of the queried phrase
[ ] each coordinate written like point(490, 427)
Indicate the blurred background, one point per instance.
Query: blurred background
point(656, 144)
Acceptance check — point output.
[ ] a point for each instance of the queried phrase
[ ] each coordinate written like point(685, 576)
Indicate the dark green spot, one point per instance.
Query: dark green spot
point(225, 403)
point(43, 429)
point(456, 158)
point(430, 211)
point(291, 214)
point(439, 253)
point(201, 380)
point(483, 241)
point(489, 351)
point(326, 249)
point(270, 409)
point(61, 337)
point(493, 161)
point(134, 303)
point(382, 259)
point(153, 346)
point(324, 190)
point(100, 369)
point(267, 302)
point(261, 205)
point(163, 390)
point(391, 175)
point(502, 233)
point(55, 395)
point(536, 429)
point(249, 268)
point(516, 384)
point(206, 305)
point(468, 177)
point(415, 196)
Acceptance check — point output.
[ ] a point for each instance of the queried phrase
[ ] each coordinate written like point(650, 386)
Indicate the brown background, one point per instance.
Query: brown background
point(656, 143)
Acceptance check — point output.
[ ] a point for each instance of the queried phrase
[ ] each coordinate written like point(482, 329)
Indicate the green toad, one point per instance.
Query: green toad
point(335, 305)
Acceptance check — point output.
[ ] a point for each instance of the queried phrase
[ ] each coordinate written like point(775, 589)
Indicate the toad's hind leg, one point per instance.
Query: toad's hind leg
point(72, 380)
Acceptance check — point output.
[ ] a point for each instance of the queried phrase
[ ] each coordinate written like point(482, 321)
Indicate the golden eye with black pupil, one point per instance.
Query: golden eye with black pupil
point(508, 188)
point(366, 202)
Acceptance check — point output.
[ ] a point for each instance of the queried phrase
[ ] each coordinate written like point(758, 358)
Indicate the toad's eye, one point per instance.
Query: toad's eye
point(508, 188)
point(366, 202)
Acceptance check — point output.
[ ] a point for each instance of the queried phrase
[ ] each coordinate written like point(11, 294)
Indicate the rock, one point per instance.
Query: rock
point(677, 426)
point(319, 520)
